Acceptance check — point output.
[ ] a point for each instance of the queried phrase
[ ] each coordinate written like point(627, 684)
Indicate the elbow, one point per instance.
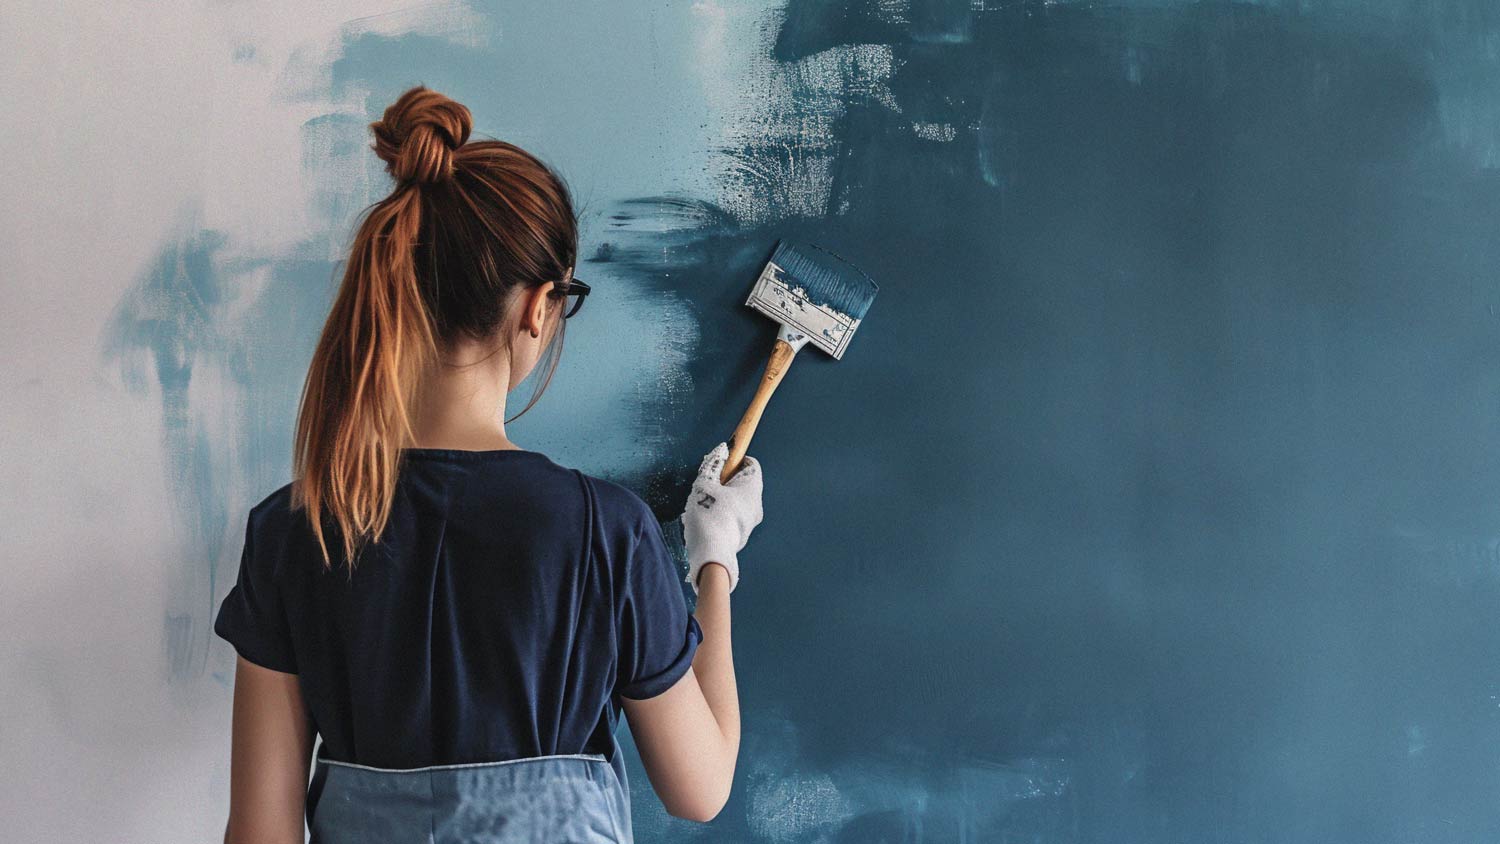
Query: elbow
point(705, 805)
point(701, 811)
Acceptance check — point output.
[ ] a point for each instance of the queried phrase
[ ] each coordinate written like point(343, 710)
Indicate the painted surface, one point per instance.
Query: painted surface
point(1156, 500)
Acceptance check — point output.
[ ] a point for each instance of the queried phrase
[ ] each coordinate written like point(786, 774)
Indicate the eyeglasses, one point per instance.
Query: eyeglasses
point(574, 292)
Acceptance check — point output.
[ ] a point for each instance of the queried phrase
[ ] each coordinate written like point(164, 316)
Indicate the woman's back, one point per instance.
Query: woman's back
point(506, 607)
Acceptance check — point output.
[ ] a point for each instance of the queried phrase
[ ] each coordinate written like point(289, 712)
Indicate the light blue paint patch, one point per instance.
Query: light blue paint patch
point(606, 92)
point(157, 335)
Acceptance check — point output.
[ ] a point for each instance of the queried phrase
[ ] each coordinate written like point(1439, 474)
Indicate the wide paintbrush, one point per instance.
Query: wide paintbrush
point(818, 298)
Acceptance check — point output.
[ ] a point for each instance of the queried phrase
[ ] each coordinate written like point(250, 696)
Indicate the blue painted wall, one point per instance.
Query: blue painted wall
point(1158, 497)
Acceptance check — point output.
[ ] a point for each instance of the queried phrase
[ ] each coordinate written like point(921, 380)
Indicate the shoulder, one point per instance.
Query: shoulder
point(273, 511)
point(616, 496)
point(622, 518)
point(618, 503)
point(268, 529)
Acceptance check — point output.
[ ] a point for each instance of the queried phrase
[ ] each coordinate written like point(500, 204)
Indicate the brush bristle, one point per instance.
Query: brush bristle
point(828, 279)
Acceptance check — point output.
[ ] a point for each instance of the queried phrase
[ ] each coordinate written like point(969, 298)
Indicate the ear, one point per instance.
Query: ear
point(536, 303)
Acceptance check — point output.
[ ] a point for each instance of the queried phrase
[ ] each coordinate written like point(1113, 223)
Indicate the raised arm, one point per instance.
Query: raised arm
point(689, 735)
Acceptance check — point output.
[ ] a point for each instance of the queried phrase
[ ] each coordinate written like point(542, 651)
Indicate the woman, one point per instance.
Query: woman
point(459, 619)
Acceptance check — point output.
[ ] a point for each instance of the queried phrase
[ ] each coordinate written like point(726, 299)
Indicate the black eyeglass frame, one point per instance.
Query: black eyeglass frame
point(575, 287)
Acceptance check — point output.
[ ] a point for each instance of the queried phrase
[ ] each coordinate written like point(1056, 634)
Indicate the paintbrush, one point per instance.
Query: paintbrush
point(818, 298)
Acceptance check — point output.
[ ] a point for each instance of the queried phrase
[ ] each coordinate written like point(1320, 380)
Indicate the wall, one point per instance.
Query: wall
point(1155, 500)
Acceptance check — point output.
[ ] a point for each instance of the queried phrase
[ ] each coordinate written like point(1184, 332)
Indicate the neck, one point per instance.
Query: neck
point(461, 400)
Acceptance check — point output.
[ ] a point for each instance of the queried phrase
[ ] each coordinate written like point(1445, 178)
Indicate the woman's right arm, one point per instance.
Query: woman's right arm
point(689, 735)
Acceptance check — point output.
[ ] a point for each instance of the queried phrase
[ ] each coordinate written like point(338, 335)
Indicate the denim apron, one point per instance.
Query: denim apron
point(577, 798)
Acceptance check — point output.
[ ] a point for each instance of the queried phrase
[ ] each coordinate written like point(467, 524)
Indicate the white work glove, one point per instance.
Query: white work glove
point(719, 517)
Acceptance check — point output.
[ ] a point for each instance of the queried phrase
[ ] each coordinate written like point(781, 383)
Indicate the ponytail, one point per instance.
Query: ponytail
point(355, 410)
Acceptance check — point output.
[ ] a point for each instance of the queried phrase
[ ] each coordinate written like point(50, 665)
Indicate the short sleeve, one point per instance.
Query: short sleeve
point(658, 636)
point(251, 617)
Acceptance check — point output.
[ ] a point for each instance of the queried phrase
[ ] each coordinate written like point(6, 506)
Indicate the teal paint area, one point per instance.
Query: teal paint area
point(1157, 497)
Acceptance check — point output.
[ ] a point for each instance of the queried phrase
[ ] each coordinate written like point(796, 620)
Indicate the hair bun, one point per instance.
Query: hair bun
point(418, 134)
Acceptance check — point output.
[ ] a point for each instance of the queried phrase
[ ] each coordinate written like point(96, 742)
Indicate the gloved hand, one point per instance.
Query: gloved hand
point(719, 517)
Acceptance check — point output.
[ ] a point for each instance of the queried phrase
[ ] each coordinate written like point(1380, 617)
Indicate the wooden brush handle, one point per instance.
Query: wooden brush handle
point(739, 442)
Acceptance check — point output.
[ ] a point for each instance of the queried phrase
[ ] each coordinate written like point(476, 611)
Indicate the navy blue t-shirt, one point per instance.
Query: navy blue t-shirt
point(509, 605)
